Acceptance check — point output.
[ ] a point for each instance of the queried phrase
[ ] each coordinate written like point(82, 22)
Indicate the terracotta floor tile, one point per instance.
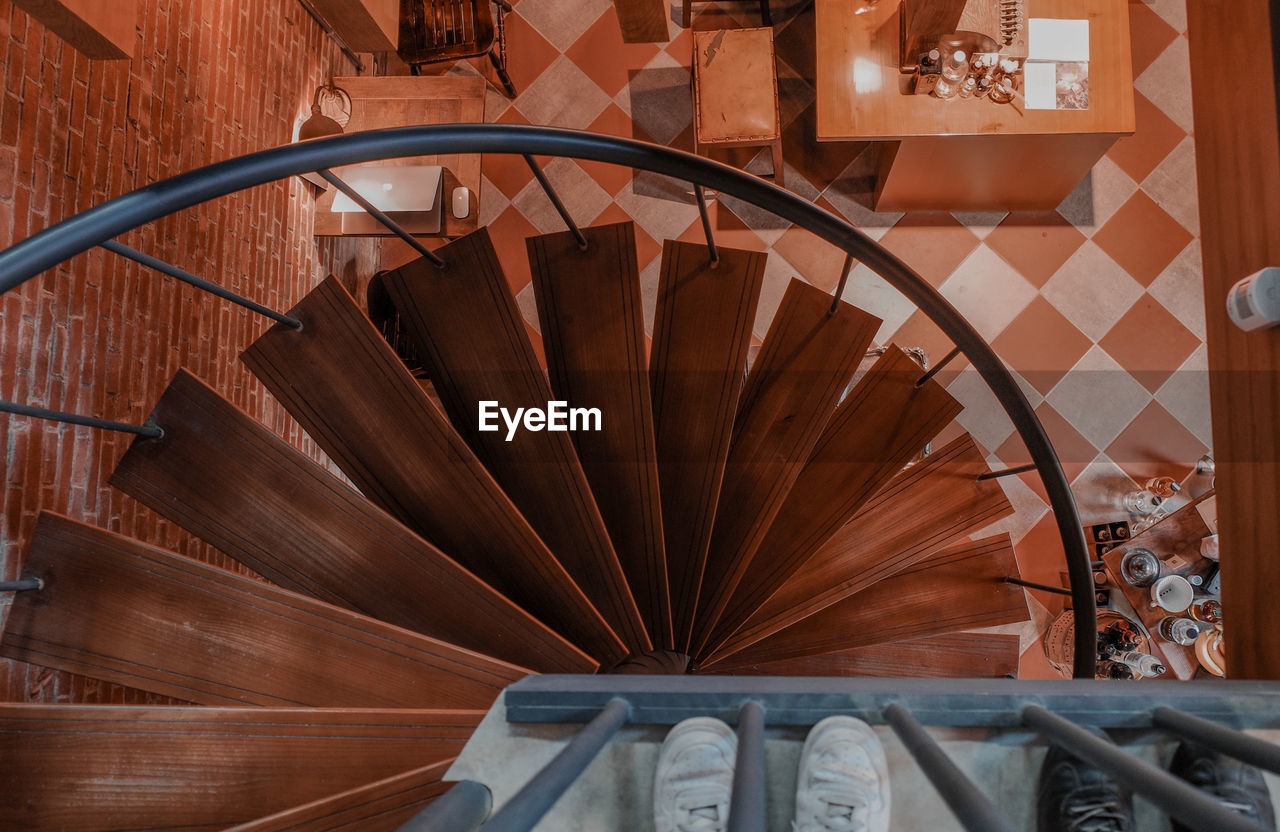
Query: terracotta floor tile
point(1155, 137)
point(1035, 243)
point(1142, 238)
point(727, 230)
point(614, 122)
point(509, 172)
point(1074, 451)
point(1042, 345)
point(919, 331)
point(1041, 559)
point(933, 243)
point(1033, 664)
point(1155, 445)
point(647, 248)
point(818, 261)
point(681, 47)
point(509, 231)
point(528, 52)
point(1149, 342)
point(1149, 35)
point(605, 58)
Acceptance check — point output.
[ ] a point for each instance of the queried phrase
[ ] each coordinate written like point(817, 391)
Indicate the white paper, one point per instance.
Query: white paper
point(1057, 40)
point(1040, 85)
point(1209, 512)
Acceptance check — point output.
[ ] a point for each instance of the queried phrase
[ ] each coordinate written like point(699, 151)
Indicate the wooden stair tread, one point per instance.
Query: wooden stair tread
point(593, 331)
point(82, 768)
point(227, 479)
point(474, 343)
point(701, 332)
point(115, 609)
point(808, 357)
point(950, 655)
point(959, 588)
point(928, 506)
point(381, 806)
point(884, 422)
point(347, 387)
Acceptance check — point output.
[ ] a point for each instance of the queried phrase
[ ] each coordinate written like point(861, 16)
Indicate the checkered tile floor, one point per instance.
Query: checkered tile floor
point(1097, 305)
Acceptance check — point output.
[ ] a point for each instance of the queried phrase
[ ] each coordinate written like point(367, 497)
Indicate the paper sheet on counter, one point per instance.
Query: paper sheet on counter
point(1057, 40)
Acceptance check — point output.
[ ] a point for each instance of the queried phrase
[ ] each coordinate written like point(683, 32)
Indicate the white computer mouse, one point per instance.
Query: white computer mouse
point(461, 205)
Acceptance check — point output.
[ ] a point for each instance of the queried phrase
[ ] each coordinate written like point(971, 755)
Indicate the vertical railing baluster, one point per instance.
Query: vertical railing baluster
point(1171, 794)
point(21, 585)
point(713, 252)
point(970, 806)
point(844, 280)
point(387, 223)
point(461, 809)
point(1220, 738)
point(522, 812)
point(555, 200)
point(746, 806)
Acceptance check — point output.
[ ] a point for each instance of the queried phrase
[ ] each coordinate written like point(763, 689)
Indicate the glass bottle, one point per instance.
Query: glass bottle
point(1140, 567)
point(1114, 670)
point(1178, 630)
point(946, 89)
point(1142, 664)
point(969, 87)
point(1142, 502)
point(1207, 610)
point(1163, 487)
point(955, 66)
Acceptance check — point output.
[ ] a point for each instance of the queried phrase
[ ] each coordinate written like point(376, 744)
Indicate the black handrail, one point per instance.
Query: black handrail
point(76, 234)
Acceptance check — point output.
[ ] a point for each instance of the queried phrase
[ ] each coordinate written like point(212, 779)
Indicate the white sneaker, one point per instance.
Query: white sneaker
point(695, 777)
point(843, 784)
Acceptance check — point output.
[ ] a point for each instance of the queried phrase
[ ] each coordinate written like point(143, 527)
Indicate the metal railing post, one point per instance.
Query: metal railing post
point(21, 585)
point(148, 430)
point(970, 806)
point(388, 223)
point(746, 803)
point(1007, 472)
point(1171, 794)
point(844, 280)
point(522, 812)
point(946, 359)
point(199, 282)
point(1220, 738)
point(461, 809)
point(714, 252)
point(555, 200)
point(1056, 590)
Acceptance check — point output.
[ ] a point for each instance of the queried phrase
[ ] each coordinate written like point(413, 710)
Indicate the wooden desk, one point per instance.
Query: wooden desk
point(1179, 535)
point(968, 154)
point(404, 100)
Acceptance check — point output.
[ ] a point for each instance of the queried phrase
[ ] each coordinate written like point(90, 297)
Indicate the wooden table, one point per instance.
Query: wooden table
point(968, 154)
point(1178, 535)
point(404, 100)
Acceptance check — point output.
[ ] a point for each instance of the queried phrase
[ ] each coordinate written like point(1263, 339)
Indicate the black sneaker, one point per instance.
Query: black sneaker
point(1077, 797)
point(1236, 785)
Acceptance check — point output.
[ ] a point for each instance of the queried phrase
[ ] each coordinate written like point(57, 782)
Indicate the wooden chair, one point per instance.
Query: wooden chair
point(436, 31)
point(686, 13)
point(735, 92)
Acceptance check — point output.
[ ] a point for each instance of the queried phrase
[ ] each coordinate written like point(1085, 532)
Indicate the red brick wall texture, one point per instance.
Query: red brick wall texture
point(208, 80)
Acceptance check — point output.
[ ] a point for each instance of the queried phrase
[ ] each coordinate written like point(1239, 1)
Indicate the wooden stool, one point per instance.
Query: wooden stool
point(735, 92)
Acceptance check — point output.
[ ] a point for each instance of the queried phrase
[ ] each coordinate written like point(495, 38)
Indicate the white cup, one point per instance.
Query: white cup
point(1172, 593)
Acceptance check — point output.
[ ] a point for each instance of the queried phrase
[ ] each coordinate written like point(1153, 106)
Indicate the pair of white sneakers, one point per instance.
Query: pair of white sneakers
point(843, 783)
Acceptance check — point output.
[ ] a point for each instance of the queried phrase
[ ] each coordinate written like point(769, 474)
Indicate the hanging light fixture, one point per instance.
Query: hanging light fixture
point(330, 111)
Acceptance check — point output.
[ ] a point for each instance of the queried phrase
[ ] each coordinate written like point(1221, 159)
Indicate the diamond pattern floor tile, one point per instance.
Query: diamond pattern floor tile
point(934, 243)
point(1099, 397)
point(1156, 135)
point(1035, 243)
point(1142, 238)
point(1042, 345)
point(601, 53)
point(988, 292)
point(1149, 342)
point(1155, 444)
point(1149, 35)
point(1074, 451)
point(528, 52)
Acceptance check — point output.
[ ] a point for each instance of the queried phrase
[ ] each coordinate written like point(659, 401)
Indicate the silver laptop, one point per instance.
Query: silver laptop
point(410, 194)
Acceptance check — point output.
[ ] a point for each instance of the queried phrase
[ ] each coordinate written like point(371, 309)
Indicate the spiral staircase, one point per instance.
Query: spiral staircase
point(777, 516)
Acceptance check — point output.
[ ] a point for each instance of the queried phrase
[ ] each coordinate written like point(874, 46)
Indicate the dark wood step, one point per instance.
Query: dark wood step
point(952, 655)
point(81, 768)
point(348, 389)
point(381, 806)
point(808, 357)
point(925, 508)
point(115, 609)
point(593, 331)
point(235, 484)
point(473, 341)
point(959, 588)
point(701, 332)
point(884, 422)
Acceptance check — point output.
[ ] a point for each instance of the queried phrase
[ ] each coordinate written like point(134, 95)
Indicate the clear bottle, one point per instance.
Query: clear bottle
point(955, 65)
point(1142, 664)
point(946, 89)
point(1178, 630)
point(1114, 670)
point(1142, 503)
point(1207, 610)
point(969, 87)
point(1140, 567)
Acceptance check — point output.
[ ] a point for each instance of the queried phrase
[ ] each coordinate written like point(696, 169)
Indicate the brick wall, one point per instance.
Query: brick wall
point(208, 80)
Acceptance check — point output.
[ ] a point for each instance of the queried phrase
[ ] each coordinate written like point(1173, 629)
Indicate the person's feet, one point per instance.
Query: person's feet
point(1074, 796)
point(695, 777)
point(843, 783)
point(1234, 784)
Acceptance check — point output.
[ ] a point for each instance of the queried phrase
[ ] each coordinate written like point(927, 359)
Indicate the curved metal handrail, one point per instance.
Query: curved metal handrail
point(92, 227)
